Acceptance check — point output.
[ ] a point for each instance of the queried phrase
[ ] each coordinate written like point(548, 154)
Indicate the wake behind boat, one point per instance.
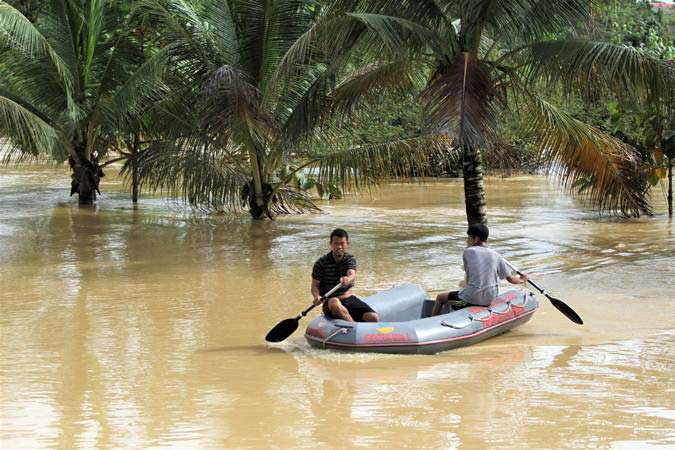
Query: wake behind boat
point(406, 326)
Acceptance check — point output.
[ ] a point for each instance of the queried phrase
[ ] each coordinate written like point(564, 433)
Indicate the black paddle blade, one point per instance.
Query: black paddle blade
point(563, 308)
point(282, 330)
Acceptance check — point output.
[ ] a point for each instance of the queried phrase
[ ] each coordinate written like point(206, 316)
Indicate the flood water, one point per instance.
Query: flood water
point(144, 328)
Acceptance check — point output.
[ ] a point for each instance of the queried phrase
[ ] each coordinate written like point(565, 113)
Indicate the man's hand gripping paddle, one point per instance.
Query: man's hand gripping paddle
point(286, 327)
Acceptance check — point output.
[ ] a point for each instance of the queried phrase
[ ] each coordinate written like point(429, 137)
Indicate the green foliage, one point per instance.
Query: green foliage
point(29, 8)
point(393, 117)
point(513, 147)
point(624, 22)
point(633, 23)
point(488, 61)
point(306, 181)
point(78, 72)
point(240, 114)
point(239, 102)
point(643, 126)
point(638, 117)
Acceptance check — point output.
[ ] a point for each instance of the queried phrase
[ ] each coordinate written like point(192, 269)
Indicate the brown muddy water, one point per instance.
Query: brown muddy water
point(143, 328)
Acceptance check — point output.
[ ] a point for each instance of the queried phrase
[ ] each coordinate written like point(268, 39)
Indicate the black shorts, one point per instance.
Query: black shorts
point(457, 303)
point(356, 307)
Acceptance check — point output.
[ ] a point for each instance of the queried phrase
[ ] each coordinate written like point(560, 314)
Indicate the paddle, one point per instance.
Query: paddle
point(286, 327)
point(559, 304)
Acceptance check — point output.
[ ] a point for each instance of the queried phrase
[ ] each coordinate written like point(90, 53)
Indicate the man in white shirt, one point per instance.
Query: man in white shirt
point(484, 267)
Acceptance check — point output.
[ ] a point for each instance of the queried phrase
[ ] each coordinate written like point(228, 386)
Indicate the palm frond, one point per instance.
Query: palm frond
point(525, 20)
point(145, 86)
point(29, 133)
point(367, 164)
point(17, 32)
point(320, 101)
point(234, 102)
point(459, 100)
point(203, 176)
point(304, 102)
point(93, 23)
point(370, 82)
point(323, 40)
point(266, 30)
point(599, 67)
point(221, 30)
point(59, 30)
point(581, 153)
point(288, 200)
point(399, 35)
point(25, 92)
point(337, 33)
point(429, 12)
point(183, 27)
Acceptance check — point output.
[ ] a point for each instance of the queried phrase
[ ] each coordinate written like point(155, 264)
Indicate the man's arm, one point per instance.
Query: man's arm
point(517, 279)
point(316, 296)
point(347, 280)
point(504, 272)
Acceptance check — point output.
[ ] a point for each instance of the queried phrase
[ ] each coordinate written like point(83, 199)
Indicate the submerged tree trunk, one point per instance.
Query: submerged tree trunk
point(86, 176)
point(134, 182)
point(474, 193)
point(254, 200)
point(257, 188)
point(134, 170)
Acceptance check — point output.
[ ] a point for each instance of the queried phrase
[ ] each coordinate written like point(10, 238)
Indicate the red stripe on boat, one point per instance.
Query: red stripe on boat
point(420, 344)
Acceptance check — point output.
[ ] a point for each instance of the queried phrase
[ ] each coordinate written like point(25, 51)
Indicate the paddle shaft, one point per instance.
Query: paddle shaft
point(528, 280)
point(559, 304)
point(286, 327)
point(304, 313)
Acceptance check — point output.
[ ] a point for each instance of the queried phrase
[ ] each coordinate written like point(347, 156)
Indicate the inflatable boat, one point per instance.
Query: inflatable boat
point(406, 325)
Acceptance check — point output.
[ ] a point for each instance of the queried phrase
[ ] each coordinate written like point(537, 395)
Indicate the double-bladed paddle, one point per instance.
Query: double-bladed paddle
point(286, 327)
point(559, 304)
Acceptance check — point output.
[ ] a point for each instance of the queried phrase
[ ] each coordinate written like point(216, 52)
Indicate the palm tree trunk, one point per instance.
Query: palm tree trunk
point(259, 190)
point(474, 193)
point(134, 170)
point(85, 177)
point(257, 204)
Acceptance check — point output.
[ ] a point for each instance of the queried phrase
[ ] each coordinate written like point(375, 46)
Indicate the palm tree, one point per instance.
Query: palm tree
point(241, 123)
point(486, 55)
point(72, 84)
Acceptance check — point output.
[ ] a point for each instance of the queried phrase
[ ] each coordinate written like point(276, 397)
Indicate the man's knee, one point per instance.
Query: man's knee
point(442, 298)
point(333, 304)
point(371, 317)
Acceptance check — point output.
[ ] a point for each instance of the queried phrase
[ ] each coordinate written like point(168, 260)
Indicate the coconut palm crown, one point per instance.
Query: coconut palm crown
point(483, 56)
point(241, 123)
point(71, 84)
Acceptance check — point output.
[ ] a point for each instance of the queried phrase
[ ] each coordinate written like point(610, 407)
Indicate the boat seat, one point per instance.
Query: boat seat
point(400, 304)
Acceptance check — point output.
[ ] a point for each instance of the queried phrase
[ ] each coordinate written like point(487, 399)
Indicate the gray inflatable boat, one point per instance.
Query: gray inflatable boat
point(406, 325)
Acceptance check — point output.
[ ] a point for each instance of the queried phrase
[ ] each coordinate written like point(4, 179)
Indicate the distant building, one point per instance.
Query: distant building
point(662, 5)
point(667, 9)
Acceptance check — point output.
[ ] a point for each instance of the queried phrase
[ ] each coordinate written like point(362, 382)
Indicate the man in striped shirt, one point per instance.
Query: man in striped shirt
point(338, 266)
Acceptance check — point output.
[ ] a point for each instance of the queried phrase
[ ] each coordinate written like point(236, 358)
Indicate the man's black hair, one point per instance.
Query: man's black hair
point(478, 230)
point(339, 232)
